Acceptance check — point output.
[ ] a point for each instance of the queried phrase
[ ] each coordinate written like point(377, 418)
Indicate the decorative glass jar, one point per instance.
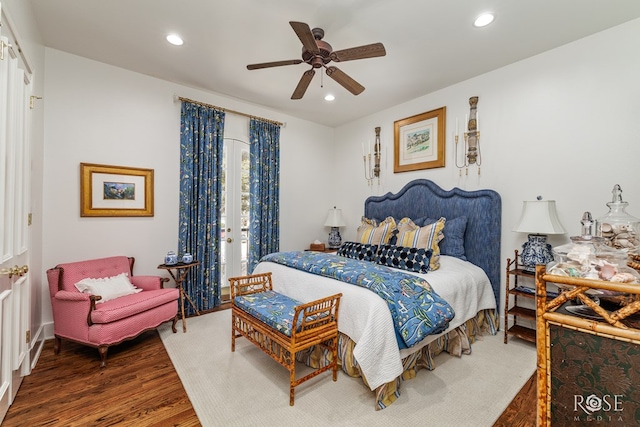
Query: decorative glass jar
point(590, 257)
point(619, 229)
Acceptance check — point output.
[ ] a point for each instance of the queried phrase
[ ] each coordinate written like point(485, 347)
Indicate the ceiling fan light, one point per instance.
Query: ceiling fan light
point(175, 40)
point(329, 97)
point(318, 53)
point(483, 20)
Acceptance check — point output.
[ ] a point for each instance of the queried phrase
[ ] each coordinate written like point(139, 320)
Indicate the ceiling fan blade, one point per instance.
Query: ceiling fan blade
point(360, 52)
point(344, 80)
point(273, 64)
point(303, 84)
point(306, 36)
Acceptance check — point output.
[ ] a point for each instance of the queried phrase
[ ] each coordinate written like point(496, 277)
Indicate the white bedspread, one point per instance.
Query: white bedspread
point(365, 317)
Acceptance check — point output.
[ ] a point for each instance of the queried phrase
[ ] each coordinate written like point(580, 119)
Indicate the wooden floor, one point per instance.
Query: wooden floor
point(521, 412)
point(138, 387)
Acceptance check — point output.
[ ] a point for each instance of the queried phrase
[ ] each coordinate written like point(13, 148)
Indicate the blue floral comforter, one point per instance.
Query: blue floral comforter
point(416, 309)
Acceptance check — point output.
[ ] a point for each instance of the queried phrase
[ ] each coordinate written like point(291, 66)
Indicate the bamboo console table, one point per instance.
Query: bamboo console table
point(181, 271)
point(587, 367)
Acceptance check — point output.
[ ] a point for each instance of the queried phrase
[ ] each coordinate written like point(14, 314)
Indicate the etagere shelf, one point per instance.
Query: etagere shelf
point(523, 315)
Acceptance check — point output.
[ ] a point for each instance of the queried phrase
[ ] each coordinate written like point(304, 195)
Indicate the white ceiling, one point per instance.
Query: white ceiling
point(430, 44)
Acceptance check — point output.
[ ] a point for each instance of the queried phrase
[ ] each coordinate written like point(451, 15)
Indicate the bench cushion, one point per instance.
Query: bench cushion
point(272, 308)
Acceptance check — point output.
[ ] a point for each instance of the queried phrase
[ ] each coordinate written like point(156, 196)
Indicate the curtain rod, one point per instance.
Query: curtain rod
point(226, 110)
point(16, 40)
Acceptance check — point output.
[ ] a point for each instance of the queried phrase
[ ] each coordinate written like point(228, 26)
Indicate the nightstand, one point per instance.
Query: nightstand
point(325, 250)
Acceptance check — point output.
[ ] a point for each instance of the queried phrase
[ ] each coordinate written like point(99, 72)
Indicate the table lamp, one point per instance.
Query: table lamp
point(334, 220)
point(539, 218)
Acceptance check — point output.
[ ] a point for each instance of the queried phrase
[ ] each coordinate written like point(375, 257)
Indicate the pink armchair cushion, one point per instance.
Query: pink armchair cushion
point(130, 305)
point(126, 328)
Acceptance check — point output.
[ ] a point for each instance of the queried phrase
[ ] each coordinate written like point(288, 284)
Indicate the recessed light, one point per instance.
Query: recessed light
point(174, 39)
point(329, 97)
point(483, 20)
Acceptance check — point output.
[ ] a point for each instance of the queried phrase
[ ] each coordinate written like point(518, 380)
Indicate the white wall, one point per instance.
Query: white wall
point(96, 113)
point(563, 124)
point(560, 125)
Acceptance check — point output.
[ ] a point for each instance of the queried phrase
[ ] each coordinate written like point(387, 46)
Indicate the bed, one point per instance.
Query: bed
point(468, 280)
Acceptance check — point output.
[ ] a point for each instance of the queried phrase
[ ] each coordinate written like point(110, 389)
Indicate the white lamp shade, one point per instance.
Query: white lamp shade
point(334, 218)
point(540, 217)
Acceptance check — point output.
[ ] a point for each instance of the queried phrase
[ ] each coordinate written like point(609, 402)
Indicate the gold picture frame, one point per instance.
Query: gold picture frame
point(115, 191)
point(419, 141)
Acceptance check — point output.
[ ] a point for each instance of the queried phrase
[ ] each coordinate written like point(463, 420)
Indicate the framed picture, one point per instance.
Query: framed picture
point(115, 190)
point(419, 141)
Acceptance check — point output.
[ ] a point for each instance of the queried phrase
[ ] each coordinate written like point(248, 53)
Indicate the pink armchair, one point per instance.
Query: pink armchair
point(78, 316)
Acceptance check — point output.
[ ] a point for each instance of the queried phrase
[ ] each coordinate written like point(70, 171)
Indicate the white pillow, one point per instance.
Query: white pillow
point(108, 287)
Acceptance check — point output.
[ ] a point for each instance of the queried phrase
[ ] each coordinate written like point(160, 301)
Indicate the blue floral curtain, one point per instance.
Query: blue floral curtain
point(201, 145)
point(264, 215)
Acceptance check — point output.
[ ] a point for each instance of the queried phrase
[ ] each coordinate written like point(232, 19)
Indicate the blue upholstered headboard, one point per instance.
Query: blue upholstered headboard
point(483, 209)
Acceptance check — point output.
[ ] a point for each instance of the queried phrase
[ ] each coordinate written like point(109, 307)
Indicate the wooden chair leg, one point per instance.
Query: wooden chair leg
point(292, 380)
point(233, 333)
point(57, 345)
point(173, 325)
point(103, 355)
point(335, 358)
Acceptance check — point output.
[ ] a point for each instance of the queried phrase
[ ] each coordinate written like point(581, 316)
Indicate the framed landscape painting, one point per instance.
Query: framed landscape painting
point(419, 141)
point(115, 190)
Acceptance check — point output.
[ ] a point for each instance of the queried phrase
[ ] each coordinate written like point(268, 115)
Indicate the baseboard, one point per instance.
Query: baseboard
point(36, 346)
point(48, 330)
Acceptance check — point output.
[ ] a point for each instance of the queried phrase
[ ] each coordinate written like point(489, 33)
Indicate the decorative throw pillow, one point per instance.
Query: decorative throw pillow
point(405, 258)
point(355, 250)
point(393, 238)
point(453, 242)
point(374, 234)
point(108, 287)
point(427, 237)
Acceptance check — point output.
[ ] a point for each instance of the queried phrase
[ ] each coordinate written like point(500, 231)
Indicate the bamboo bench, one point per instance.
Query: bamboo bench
point(282, 326)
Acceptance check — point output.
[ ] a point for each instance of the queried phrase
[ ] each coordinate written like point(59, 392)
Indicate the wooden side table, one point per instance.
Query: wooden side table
point(181, 270)
point(325, 250)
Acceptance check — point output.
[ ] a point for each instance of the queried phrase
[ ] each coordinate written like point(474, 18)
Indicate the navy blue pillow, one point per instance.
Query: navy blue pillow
point(453, 242)
point(404, 258)
point(361, 251)
point(393, 239)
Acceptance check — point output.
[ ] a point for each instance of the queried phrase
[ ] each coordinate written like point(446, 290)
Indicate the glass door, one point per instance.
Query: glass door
point(234, 239)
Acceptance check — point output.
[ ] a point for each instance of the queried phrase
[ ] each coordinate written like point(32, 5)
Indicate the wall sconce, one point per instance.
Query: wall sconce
point(471, 151)
point(372, 170)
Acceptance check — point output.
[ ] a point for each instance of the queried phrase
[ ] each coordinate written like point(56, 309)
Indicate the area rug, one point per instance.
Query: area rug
point(248, 388)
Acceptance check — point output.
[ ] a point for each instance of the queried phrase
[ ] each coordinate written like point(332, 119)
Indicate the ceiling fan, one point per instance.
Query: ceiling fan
point(319, 53)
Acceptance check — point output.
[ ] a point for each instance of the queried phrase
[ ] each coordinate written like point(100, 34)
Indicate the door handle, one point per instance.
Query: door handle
point(229, 240)
point(14, 271)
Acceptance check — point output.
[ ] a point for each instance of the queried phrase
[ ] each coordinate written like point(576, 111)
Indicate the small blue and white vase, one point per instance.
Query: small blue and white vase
point(171, 258)
point(535, 251)
point(187, 258)
point(335, 240)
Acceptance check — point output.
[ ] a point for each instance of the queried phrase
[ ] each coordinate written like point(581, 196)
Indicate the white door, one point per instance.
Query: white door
point(15, 292)
point(234, 242)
